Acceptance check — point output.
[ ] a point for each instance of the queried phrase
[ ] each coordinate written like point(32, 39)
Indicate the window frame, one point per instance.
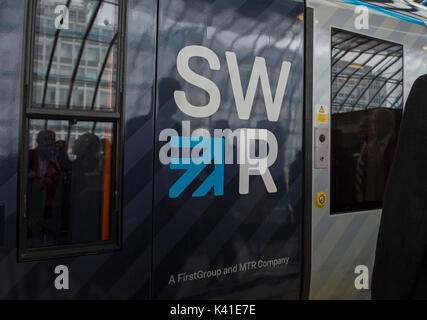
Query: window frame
point(29, 112)
point(379, 204)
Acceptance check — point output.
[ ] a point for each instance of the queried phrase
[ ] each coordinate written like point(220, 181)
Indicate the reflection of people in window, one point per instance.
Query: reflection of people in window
point(341, 160)
point(375, 158)
point(366, 134)
point(86, 187)
point(65, 164)
point(366, 129)
point(43, 179)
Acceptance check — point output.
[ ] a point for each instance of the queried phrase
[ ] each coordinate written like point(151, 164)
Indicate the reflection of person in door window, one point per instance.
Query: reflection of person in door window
point(366, 134)
point(380, 153)
point(366, 129)
point(376, 156)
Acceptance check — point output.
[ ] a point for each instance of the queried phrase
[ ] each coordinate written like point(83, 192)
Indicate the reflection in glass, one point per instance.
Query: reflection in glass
point(69, 182)
point(367, 99)
point(73, 67)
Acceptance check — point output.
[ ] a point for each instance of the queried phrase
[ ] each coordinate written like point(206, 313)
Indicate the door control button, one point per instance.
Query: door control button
point(321, 199)
point(321, 148)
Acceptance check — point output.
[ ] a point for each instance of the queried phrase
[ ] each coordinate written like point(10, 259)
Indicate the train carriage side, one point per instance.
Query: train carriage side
point(101, 101)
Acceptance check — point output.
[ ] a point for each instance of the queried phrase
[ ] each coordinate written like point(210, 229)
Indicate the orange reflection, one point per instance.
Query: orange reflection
point(106, 199)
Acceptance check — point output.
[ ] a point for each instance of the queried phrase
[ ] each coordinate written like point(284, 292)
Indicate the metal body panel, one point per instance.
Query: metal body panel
point(216, 232)
point(342, 242)
point(189, 233)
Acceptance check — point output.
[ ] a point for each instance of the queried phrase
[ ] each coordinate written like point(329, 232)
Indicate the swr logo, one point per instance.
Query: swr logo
point(199, 148)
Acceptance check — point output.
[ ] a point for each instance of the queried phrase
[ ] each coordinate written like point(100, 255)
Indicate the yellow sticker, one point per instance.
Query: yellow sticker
point(321, 115)
point(321, 199)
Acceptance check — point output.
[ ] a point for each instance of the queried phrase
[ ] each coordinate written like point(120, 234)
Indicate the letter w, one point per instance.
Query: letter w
point(259, 71)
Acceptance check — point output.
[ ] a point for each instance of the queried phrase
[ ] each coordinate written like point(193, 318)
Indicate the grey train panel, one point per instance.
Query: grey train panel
point(342, 242)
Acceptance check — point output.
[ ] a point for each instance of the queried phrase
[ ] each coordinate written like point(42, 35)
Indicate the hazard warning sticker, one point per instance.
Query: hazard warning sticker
point(321, 114)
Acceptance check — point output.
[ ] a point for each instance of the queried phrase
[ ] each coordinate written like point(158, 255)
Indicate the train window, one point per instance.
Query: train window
point(70, 155)
point(366, 109)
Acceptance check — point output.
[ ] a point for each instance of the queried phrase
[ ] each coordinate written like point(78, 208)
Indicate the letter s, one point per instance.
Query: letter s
point(190, 76)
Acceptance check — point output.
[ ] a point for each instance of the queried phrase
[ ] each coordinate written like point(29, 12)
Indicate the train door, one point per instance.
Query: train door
point(364, 60)
point(229, 82)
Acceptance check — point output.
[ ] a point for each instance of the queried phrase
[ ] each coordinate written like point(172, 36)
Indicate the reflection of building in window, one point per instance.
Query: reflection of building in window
point(65, 56)
point(366, 73)
point(69, 43)
point(367, 97)
point(349, 93)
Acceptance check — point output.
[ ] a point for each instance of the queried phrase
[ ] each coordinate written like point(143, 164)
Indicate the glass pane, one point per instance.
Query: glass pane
point(75, 54)
point(367, 99)
point(69, 182)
